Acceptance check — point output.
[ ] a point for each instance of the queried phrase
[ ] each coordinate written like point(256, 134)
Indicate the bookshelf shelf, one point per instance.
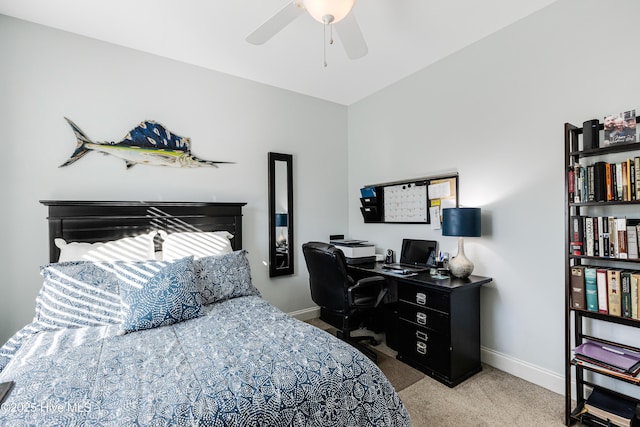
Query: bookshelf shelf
point(602, 371)
point(612, 203)
point(608, 318)
point(617, 148)
point(603, 258)
point(584, 246)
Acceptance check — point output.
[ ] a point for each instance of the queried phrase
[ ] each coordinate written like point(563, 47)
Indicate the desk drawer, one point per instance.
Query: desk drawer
point(428, 348)
point(424, 317)
point(424, 297)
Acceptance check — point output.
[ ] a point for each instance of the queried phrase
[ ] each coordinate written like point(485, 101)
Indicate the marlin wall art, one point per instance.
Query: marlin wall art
point(149, 143)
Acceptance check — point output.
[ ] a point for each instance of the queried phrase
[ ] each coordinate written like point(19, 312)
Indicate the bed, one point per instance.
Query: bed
point(184, 341)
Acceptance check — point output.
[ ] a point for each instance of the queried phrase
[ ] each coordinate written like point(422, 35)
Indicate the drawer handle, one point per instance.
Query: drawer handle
point(421, 318)
point(421, 347)
point(421, 336)
point(421, 298)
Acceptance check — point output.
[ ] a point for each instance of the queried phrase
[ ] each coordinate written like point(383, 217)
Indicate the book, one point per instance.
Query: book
point(613, 238)
point(591, 184)
point(621, 228)
point(577, 235)
point(620, 128)
point(615, 291)
point(615, 408)
point(602, 291)
point(625, 279)
point(632, 178)
point(596, 237)
point(632, 241)
point(636, 161)
point(606, 243)
point(601, 247)
point(635, 282)
point(624, 173)
point(571, 184)
point(591, 290)
point(609, 182)
point(578, 298)
point(589, 236)
point(5, 389)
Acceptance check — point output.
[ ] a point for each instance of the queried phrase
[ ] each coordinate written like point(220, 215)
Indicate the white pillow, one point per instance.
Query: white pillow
point(198, 244)
point(138, 248)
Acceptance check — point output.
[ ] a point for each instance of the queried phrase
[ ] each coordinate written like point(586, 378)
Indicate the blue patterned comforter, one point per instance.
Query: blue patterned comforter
point(243, 363)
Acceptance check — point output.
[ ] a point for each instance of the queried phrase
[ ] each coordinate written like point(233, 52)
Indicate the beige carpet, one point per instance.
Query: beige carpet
point(400, 375)
point(488, 399)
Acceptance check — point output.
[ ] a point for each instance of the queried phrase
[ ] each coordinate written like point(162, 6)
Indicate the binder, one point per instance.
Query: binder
point(610, 356)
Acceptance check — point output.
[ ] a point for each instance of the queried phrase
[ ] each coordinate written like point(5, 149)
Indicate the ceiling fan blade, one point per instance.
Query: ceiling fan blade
point(276, 23)
point(351, 37)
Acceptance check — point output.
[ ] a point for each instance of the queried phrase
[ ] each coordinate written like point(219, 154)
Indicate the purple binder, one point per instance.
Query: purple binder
point(620, 358)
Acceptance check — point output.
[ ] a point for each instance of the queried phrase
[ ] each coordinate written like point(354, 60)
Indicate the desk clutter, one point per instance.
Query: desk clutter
point(416, 256)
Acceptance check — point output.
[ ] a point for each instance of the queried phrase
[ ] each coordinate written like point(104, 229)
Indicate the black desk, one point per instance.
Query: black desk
point(434, 324)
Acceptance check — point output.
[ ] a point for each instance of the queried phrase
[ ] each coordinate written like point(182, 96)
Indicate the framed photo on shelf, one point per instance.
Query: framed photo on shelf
point(620, 128)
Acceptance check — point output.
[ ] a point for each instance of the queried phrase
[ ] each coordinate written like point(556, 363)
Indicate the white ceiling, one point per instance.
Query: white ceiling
point(403, 36)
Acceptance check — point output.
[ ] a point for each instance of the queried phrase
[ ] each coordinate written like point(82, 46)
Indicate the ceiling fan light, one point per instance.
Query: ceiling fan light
point(336, 9)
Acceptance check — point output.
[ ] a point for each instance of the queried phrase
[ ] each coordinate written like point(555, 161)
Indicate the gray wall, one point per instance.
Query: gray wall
point(107, 90)
point(495, 113)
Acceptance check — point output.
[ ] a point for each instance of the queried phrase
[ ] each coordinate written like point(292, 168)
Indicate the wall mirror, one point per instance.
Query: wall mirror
point(281, 245)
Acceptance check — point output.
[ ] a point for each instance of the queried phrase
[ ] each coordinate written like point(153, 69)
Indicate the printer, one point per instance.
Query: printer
point(356, 251)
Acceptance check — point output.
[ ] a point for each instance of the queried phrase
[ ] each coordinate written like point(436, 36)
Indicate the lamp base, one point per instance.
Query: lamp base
point(460, 266)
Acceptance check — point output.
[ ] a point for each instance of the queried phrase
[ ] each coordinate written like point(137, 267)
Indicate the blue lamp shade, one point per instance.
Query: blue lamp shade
point(282, 219)
point(462, 222)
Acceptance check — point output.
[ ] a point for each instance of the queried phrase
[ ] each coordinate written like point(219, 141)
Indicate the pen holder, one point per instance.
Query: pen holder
point(442, 268)
point(439, 269)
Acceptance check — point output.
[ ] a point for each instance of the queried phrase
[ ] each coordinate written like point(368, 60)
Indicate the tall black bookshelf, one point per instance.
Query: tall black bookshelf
point(578, 320)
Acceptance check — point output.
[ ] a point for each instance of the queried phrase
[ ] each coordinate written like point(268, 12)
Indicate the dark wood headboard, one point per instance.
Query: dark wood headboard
point(97, 221)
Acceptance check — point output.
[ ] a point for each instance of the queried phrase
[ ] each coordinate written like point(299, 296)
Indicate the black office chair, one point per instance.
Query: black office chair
point(344, 303)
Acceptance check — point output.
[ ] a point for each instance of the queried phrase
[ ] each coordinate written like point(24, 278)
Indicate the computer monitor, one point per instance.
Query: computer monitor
point(419, 252)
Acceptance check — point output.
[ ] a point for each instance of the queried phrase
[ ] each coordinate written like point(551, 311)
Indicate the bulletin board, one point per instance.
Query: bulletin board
point(442, 193)
point(417, 201)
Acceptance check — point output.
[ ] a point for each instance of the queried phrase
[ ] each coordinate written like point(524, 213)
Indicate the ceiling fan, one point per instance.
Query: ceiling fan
point(327, 12)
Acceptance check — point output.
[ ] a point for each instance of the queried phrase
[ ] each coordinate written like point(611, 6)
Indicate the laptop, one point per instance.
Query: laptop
point(416, 255)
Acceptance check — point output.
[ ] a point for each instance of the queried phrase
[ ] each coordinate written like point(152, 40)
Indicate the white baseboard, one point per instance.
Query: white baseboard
point(525, 370)
point(306, 314)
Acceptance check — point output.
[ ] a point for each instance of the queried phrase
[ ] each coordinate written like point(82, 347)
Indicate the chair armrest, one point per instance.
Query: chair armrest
point(367, 281)
point(368, 285)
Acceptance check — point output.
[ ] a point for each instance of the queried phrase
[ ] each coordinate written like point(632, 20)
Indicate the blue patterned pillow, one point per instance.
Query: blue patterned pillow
point(76, 294)
point(222, 277)
point(158, 293)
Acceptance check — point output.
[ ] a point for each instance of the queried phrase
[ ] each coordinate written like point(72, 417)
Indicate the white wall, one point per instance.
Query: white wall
point(495, 113)
point(107, 90)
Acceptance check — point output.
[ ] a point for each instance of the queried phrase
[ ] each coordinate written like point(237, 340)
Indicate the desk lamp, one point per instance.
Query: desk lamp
point(461, 222)
point(282, 220)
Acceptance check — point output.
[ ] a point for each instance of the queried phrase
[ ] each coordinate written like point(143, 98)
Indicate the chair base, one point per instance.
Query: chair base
point(356, 343)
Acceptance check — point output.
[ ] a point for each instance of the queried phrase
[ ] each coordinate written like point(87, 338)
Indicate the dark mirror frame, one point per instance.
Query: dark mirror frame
point(275, 256)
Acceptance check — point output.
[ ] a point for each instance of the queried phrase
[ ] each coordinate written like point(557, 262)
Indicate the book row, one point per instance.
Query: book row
point(611, 409)
point(610, 291)
point(607, 237)
point(605, 182)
